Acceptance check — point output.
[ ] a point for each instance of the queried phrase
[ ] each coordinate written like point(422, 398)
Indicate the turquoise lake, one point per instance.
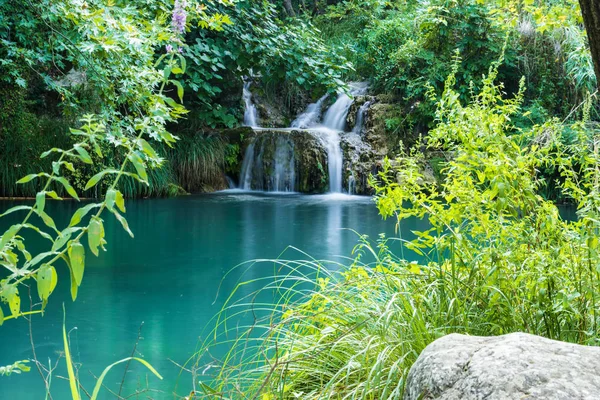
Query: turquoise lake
point(171, 278)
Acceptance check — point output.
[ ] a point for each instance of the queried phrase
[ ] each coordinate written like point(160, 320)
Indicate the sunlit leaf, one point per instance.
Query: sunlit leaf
point(77, 261)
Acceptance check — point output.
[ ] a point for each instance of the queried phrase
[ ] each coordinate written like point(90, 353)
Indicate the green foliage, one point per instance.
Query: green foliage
point(17, 367)
point(256, 43)
point(496, 258)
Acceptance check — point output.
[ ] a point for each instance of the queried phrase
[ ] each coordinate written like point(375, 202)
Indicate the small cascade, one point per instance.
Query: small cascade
point(360, 117)
point(310, 117)
point(351, 184)
point(335, 121)
point(250, 111)
point(335, 117)
point(230, 183)
point(331, 140)
point(269, 164)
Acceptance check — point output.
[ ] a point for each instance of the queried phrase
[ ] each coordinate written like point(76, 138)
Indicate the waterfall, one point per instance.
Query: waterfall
point(250, 112)
point(311, 116)
point(230, 183)
point(269, 160)
point(331, 140)
point(335, 117)
point(351, 184)
point(247, 167)
point(360, 117)
point(269, 164)
point(335, 121)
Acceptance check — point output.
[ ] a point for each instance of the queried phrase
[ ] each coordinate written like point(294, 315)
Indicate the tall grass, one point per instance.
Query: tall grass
point(199, 161)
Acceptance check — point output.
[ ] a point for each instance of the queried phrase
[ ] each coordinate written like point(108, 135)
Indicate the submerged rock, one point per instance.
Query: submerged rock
point(514, 366)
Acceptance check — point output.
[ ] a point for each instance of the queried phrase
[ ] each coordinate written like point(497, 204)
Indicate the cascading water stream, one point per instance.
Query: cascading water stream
point(250, 111)
point(360, 117)
point(269, 160)
point(334, 121)
point(310, 117)
point(269, 164)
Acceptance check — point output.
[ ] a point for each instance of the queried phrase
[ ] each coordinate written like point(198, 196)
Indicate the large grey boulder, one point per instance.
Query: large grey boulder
point(514, 366)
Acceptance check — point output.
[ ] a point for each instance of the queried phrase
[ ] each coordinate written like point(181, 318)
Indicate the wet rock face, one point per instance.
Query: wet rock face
point(353, 111)
point(278, 108)
point(284, 160)
point(376, 132)
point(360, 162)
point(510, 367)
point(311, 163)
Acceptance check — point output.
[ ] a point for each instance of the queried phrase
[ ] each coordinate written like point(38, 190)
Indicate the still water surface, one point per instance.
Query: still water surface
point(168, 278)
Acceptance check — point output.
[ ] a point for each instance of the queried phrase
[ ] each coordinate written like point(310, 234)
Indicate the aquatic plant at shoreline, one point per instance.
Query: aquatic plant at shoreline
point(497, 258)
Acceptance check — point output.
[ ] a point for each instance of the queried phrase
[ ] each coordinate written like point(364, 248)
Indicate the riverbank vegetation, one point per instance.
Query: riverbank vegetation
point(111, 100)
point(497, 258)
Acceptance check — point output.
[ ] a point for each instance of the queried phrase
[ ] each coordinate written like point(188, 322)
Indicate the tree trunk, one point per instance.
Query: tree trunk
point(289, 9)
point(591, 18)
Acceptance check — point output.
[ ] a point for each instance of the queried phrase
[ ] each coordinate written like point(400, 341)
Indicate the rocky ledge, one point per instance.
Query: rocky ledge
point(509, 367)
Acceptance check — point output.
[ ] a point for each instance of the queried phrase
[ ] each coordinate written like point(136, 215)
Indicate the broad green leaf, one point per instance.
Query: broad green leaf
point(22, 249)
point(103, 375)
point(183, 62)
point(47, 153)
point(13, 209)
point(63, 238)
point(77, 261)
point(28, 178)
point(46, 218)
point(179, 89)
point(123, 222)
point(120, 201)
point(15, 304)
point(56, 167)
point(53, 279)
point(52, 194)
point(148, 149)
point(82, 212)
point(95, 235)
point(44, 281)
point(97, 149)
point(40, 201)
point(69, 166)
point(111, 196)
point(95, 179)
point(9, 235)
point(39, 258)
point(83, 154)
point(138, 163)
point(74, 287)
point(67, 186)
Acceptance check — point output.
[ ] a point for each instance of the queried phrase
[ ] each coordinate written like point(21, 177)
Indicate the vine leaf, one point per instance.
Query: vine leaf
point(95, 235)
point(77, 260)
point(40, 201)
point(46, 282)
